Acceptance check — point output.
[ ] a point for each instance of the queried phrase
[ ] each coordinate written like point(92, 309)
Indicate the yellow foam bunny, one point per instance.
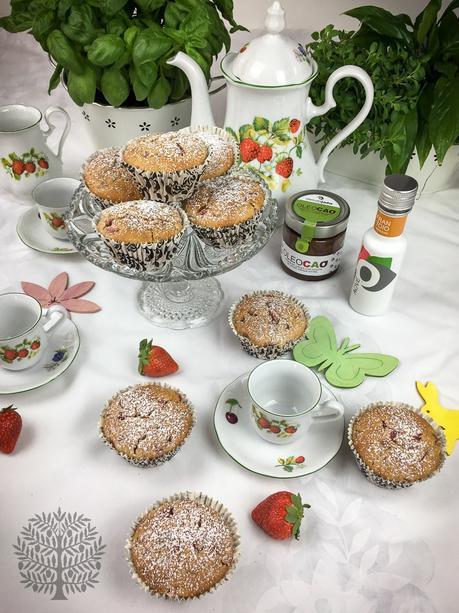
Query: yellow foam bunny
point(448, 419)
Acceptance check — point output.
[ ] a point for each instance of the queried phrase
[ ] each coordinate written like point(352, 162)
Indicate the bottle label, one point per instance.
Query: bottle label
point(389, 226)
point(310, 265)
point(373, 284)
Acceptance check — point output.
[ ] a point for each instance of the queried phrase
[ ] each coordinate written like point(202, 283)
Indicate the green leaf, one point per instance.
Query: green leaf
point(150, 5)
point(63, 52)
point(55, 78)
point(118, 24)
point(226, 9)
point(159, 93)
point(382, 22)
point(444, 118)
point(448, 34)
point(280, 127)
point(198, 57)
point(233, 133)
point(80, 25)
point(289, 469)
point(17, 22)
point(43, 23)
point(246, 131)
point(130, 35)
point(232, 402)
point(423, 145)
point(114, 86)
point(299, 151)
point(426, 20)
point(108, 7)
point(402, 134)
point(105, 50)
point(150, 46)
point(179, 82)
point(82, 87)
point(261, 123)
point(140, 90)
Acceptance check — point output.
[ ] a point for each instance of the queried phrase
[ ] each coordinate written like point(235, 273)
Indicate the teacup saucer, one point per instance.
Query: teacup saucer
point(57, 357)
point(240, 441)
point(32, 233)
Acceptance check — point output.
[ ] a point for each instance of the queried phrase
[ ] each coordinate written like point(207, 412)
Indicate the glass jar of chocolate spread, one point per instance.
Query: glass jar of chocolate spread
point(313, 235)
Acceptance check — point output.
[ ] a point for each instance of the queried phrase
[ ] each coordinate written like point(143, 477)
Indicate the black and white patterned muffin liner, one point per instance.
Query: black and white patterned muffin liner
point(101, 203)
point(366, 470)
point(143, 256)
point(231, 236)
point(208, 502)
point(269, 352)
point(155, 461)
point(223, 134)
point(166, 187)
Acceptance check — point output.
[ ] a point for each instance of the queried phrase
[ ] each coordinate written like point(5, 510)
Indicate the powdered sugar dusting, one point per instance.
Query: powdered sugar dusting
point(225, 201)
point(269, 318)
point(182, 548)
point(221, 155)
point(107, 178)
point(396, 443)
point(147, 421)
point(165, 152)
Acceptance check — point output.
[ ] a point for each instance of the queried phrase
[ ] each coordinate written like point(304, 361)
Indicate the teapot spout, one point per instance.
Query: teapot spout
point(201, 113)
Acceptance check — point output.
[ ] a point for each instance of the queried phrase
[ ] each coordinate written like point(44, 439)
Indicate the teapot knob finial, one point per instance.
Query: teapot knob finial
point(275, 19)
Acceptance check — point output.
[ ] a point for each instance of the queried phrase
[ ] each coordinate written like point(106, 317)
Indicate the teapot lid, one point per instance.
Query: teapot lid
point(271, 60)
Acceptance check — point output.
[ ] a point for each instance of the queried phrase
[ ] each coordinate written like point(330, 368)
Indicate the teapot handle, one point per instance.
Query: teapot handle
point(47, 115)
point(314, 111)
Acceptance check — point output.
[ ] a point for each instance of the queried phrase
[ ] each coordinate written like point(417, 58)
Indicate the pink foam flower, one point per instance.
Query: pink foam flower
point(59, 293)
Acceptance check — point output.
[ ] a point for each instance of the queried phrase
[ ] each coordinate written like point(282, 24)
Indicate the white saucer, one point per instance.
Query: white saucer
point(32, 233)
point(57, 357)
point(240, 441)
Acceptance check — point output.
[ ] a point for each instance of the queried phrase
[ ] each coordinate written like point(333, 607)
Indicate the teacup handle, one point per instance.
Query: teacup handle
point(330, 408)
point(47, 116)
point(51, 322)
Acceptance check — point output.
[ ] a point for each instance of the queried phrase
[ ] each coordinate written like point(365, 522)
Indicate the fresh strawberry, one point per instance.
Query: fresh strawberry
point(275, 429)
point(35, 345)
point(249, 149)
point(290, 429)
point(23, 353)
point(43, 163)
point(57, 222)
point(10, 428)
point(294, 125)
point(30, 167)
point(18, 167)
point(265, 154)
point(284, 167)
point(154, 361)
point(280, 515)
point(263, 423)
point(10, 355)
point(299, 459)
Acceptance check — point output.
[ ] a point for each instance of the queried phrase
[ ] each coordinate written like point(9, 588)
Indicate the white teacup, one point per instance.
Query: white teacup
point(53, 199)
point(285, 399)
point(24, 330)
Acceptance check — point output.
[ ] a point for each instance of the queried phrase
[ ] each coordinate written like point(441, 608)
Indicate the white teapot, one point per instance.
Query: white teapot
point(268, 106)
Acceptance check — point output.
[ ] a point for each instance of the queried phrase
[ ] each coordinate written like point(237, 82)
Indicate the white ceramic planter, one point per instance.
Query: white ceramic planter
point(108, 126)
point(431, 178)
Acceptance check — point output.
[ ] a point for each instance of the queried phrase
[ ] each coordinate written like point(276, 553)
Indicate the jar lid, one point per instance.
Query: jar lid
point(271, 60)
point(398, 194)
point(316, 214)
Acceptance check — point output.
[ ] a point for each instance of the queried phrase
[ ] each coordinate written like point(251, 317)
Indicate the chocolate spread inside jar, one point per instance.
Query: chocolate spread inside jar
point(313, 235)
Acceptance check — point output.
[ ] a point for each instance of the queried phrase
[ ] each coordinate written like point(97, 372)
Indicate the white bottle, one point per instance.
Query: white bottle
point(383, 248)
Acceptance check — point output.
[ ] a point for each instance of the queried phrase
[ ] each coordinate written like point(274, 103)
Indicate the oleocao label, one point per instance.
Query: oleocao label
point(309, 265)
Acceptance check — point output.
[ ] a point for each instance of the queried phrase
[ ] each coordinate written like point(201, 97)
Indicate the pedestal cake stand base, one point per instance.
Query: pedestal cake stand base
point(181, 304)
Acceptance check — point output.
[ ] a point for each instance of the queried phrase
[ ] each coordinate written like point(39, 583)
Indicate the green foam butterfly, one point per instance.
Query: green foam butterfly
point(343, 368)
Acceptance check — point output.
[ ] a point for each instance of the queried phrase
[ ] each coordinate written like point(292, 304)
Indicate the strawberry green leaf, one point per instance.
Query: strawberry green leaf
point(261, 123)
point(232, 402)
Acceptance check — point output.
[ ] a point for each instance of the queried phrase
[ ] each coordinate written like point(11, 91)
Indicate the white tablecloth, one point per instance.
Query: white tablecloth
point(363, 549)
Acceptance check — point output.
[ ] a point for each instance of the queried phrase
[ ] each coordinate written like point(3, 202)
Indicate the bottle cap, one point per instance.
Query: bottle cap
point(398, 193)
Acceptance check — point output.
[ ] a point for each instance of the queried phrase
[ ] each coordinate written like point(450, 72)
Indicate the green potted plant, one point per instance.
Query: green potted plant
point(414, 123)
point(111, 55)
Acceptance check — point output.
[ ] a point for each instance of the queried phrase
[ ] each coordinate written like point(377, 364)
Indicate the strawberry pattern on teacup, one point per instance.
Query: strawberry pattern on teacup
point(30, 163)
point(26, 349)
point(281, 428)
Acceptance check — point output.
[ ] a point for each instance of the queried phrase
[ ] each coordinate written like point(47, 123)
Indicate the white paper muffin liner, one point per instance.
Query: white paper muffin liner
point(208, 502)
point(100, 202)
point(223, 134)
point(143, 256)
point(166, 187)
point(366, 470)
point(231, 236)
point(154, 461)
point(269, 352)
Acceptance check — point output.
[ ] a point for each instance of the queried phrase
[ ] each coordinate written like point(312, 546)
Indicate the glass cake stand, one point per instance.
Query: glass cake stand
point(183, 293)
